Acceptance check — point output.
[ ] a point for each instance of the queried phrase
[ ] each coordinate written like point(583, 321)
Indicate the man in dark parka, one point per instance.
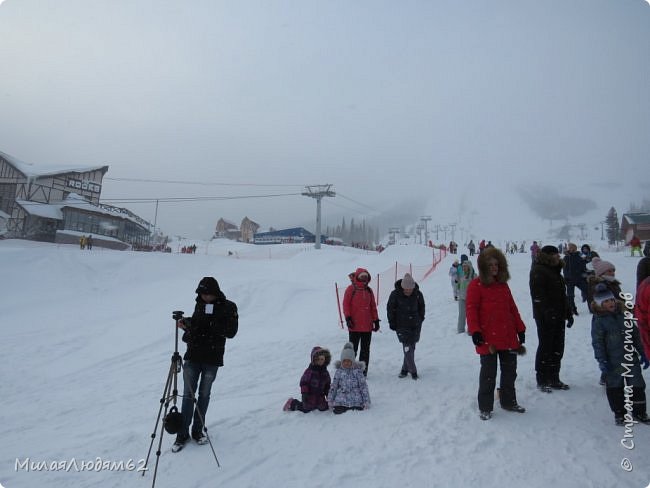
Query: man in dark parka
point(552, 312)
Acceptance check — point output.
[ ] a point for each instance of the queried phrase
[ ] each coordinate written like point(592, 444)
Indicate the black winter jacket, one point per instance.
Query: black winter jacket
point(642, 270)
point(406, 313)
point(207, 330)
point(548, 291)
point(575, 268)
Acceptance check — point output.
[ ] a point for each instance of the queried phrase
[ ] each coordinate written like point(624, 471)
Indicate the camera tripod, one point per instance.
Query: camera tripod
point(172, 418)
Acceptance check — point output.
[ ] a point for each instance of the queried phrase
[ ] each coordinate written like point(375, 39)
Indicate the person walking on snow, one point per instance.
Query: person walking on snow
point(405, 312)
point(635, 246)
point(453, 278)
point(466, 274)
point(497, 331)
point(360, 310)
point(575, 275)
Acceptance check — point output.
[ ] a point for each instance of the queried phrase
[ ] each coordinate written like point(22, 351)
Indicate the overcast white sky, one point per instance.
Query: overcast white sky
point(452, 103)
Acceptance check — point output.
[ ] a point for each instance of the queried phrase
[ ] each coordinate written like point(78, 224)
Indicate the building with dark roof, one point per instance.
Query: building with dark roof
point(60, 204)
point(635, 224)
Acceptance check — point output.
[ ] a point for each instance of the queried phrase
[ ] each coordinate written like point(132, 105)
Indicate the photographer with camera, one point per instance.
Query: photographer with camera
point(214, 320)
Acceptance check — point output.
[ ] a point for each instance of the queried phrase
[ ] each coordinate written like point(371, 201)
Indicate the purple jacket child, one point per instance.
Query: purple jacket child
point(314, 384)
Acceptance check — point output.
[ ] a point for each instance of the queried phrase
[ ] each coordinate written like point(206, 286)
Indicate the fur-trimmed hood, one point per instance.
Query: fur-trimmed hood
point(321, 350)
point(483, 272)
point(547, 260)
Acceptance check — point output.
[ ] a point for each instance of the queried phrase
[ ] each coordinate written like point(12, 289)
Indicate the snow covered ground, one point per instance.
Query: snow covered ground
point(87, 338)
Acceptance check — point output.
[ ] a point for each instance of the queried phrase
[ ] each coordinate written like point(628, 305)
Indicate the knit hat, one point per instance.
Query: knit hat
point(463, 258)
point(601, 267)
point(408, 283)
point(550, 250)
point(208, 286)
point(602, 293)
point(348, 352)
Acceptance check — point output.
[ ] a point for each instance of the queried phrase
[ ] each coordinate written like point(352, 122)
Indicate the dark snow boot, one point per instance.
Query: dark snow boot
point(558, 385)
point(515, 407)
point(485, 415)
point(642, 418)
point(180, 442)
point(402, 374)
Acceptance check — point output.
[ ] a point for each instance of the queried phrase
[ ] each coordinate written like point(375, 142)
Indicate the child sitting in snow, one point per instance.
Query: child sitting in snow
point(349, 389)
point(314, 384)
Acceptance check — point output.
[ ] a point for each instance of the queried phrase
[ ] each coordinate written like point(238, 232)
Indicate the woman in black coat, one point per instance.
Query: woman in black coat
point(405, 311)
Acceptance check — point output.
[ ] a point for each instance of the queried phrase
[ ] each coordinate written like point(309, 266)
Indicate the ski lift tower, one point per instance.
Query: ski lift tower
point(318, 192)
point(425, 219)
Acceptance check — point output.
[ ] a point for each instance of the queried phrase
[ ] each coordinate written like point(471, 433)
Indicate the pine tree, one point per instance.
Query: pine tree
point(612, 226)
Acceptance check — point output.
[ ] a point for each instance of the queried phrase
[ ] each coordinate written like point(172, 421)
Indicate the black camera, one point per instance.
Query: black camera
point(177, 314)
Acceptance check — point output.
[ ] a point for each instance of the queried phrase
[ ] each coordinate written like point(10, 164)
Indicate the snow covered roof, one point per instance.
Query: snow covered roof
point(33, 171)
point(73, 200)
point(4, 215)
point(43, 210)
point(637, 218)
point(229, 222)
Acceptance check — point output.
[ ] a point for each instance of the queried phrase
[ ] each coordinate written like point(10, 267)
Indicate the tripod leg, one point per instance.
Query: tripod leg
point(163, 404)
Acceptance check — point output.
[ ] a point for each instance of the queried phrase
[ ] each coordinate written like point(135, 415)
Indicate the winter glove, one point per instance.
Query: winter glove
point(477, 339)
point(569, 322)
point(604, 366)
point(522, 337)
point(375, 326)
point(644, 361)
point(349, 323)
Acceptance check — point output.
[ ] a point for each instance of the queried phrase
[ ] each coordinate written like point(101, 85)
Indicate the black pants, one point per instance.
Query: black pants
point(298, 405)
point(616, 399)
point(488, 380)
point(364, 338)
point(341, 409)
point(550, 350)
point(570, 292)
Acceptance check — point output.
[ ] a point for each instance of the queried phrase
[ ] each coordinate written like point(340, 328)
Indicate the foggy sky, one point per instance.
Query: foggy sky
point(458, 104)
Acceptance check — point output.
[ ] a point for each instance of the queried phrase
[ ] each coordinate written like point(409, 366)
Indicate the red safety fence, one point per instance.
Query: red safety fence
point(384, 282)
